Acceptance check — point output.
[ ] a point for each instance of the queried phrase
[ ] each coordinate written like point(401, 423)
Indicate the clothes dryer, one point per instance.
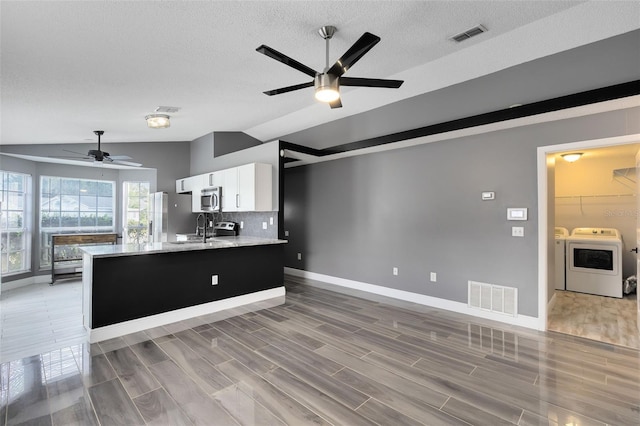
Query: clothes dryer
point(594, 261)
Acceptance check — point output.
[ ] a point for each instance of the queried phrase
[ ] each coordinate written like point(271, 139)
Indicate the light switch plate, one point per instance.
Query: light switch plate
point(488, 195)
point(517, 213)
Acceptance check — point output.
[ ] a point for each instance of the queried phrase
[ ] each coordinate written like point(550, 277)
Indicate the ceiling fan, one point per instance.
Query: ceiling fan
point(96, 155)
point(327, 83)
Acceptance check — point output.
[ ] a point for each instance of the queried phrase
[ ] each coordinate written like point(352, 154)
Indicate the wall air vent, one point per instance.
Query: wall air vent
point(493, 298)
point(471, 32)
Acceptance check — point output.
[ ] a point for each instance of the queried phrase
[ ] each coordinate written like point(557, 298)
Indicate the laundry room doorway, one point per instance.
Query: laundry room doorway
point(594, 196)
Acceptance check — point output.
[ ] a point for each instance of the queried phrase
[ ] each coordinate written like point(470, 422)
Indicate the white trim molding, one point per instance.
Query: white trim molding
point(449, 305)
point(116, 330)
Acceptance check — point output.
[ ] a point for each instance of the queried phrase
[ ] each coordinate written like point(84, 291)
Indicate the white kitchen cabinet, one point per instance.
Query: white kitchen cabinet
point(185, 185)
point(214, 179)
point(247, 188)
point(230, 193)
point(193, 185)
point(244, 189)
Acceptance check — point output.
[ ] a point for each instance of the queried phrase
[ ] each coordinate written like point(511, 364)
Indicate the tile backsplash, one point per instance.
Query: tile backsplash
point(252, 223)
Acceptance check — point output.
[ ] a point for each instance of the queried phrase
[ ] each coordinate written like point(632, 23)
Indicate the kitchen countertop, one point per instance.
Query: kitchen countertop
point(170, 247)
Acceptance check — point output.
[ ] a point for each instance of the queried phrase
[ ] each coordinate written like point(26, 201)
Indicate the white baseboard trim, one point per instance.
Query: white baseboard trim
point(449, 305)
point(36, 279)
point(116, 330)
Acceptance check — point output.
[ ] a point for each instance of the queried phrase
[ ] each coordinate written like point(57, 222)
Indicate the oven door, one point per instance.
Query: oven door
point(593, 258)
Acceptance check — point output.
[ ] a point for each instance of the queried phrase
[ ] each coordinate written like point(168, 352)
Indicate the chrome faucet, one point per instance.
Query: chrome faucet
point(203, 227)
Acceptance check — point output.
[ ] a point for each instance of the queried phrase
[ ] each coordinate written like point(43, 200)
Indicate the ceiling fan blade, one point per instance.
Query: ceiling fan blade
point(124, 163)
point(281, 57)
point(120, 157)
point(370, 82)
point(336, 104)
point(75, 152)
point(288, 89)
point(127, 163)
point(69, 157)
point(355, 52)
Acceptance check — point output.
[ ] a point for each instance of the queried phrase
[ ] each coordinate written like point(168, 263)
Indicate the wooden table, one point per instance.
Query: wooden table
point(77, 239)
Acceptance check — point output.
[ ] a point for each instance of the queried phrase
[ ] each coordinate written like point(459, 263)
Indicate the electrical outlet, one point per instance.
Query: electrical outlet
point(299, 256)
point(271, 221)
point(433, 277)
point(395, 271)
point(214, 280)
point(264, 225)
point(286, 233)
point(241, 224)
point(517, 231)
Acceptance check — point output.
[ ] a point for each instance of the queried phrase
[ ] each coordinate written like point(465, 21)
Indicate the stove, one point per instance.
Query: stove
point(225, 229)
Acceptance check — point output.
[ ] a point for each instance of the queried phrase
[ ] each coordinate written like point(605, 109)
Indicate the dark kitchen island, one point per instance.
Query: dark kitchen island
point(129, 288)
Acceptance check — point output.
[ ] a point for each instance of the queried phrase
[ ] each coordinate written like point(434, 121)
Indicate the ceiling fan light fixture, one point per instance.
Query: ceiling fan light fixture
point(327, 88)
point(158, 121)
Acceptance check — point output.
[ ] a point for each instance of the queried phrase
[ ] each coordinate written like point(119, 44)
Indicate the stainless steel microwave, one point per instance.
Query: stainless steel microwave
point(210, 199)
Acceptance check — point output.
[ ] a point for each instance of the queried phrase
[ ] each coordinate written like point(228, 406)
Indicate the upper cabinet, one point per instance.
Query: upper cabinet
point(193, 185)
point(188, 184)
point(214, 179)
point(230, 190)
point(244, 189)
point(247, 188)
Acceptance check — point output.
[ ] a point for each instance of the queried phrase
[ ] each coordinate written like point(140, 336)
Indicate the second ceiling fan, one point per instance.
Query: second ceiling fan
point(327, 83)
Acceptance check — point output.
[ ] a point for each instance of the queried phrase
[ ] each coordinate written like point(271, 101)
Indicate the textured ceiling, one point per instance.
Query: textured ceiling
point(71, 67)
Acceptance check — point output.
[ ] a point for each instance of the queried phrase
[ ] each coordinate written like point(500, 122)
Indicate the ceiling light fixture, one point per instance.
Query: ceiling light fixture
point(158, 121)
point(573, 157)
point(326, 87)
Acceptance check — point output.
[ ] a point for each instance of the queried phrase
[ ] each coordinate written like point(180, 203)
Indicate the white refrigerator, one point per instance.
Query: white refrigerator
point(169, 214)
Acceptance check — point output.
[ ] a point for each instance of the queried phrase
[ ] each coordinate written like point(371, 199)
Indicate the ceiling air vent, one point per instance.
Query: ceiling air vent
point(167, 109)
point(471, 32)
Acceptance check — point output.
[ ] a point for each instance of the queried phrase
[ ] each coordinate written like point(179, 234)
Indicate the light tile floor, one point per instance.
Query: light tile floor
point(606, 319)
point(40, 317)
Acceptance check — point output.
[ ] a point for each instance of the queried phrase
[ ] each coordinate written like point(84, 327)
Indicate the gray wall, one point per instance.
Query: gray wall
point(268, 153)
point(228, 142)
point(201, 155)
point(215, 145)
point(419, 209)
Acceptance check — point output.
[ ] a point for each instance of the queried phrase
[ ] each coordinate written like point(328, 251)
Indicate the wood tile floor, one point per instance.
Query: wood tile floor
point(606, 319)
point(327, 358)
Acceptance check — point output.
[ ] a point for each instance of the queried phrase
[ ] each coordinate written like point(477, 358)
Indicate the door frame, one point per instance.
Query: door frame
point(543, 204)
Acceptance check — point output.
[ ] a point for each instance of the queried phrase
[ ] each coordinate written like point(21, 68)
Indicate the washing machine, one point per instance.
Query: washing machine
point(560, 261)
point(594, 261)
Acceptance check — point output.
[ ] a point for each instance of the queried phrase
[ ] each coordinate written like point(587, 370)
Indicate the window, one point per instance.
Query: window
point(15, 244)
point(136, 212)
point(69, 206)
